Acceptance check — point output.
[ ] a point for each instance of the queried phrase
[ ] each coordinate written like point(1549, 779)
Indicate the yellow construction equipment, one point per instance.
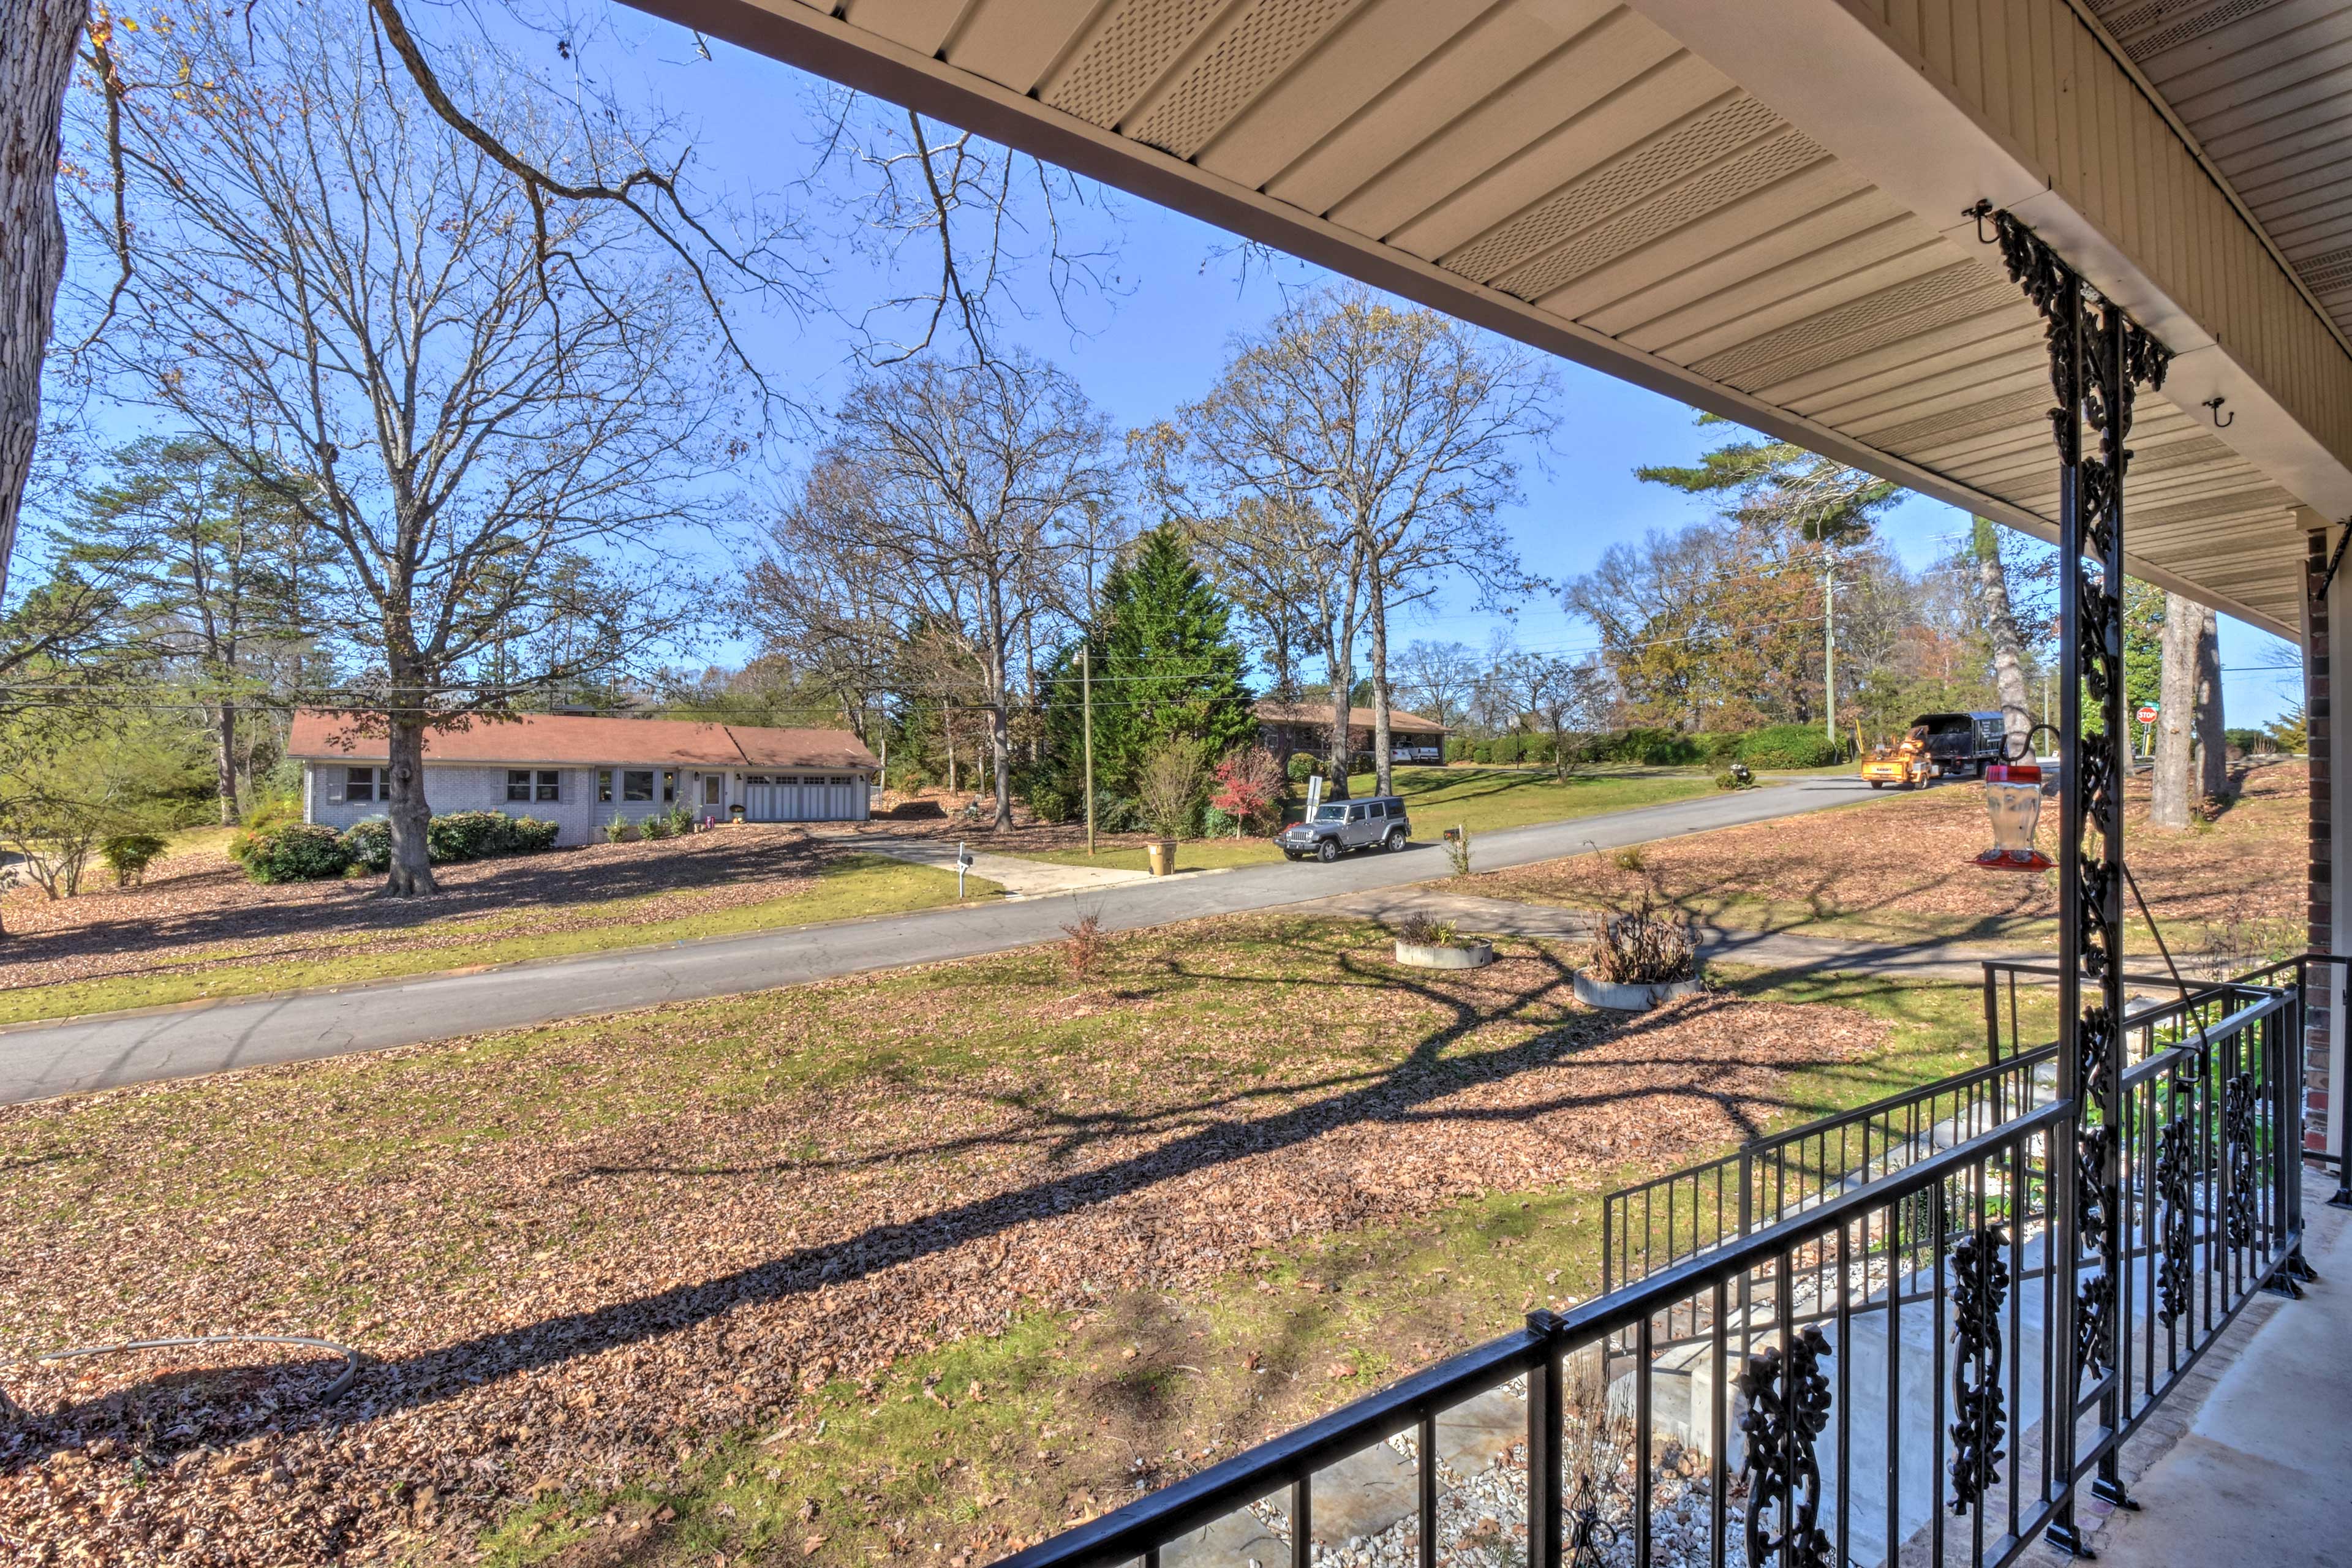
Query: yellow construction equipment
point(1905, 764)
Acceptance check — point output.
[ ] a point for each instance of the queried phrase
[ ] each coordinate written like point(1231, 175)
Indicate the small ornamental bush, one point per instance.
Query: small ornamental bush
point(1648, 945)
point(258, 824)
point(296, 852)
point(1053, 797)
point(531, 835)
point(617, 831)
point(1788, 746)
point(1245, 788)
point(1303, 766)
point(467, 836)
point(368, 844)
point(654, 827)
point(681, 819)
point(128, 856)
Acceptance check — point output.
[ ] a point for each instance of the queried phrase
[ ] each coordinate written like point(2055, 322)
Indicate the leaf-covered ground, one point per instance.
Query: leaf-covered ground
point(198, 927)
point(835, 1273)
point(1896, 868)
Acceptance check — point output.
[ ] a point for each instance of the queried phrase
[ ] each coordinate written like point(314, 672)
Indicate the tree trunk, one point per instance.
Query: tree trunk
point(412, 861)
point(1381, 753)
point(226, 769)
point(1343, 676)
point(2176, 715)
point(36, 60)
point(2212, 746)
point(1000, 739)
point(2000, 625)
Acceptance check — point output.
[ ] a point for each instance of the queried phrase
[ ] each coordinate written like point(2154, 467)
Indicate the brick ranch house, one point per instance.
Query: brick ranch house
point(1287, 727)
point(580, 771)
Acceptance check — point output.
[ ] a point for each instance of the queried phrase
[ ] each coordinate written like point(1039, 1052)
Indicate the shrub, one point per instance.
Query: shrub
point(1419, 929)
point(128, 856)
point(296, 852)
point(467, 835)
point(681, 819)
point(1647, 747)
point(2248, 741)
point(1502, 749)
point(1216, 821)
point(367, 843)
point(1788, 746)
point(1246, 788)
point(1116, 812)
point(1648, 945)
point(258, 824)
point(1723, 779)
point(654, 827)
point(1084, 945)
point(1304, 766)
point(617, 831)
point(531, 835)
point(1056, 798)
point(1169, 787)
point(1458, 749)
point(1721, 746)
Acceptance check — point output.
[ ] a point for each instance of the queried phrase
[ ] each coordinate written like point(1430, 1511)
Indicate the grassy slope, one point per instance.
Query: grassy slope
point(852, 886)
point(1483, 799)
point(994, 1433)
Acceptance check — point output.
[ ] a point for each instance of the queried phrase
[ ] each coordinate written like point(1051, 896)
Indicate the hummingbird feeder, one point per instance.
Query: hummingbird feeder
point(2013, 800)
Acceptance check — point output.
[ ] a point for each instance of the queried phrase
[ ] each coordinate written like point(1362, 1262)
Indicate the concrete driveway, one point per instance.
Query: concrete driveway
point(38, 1060)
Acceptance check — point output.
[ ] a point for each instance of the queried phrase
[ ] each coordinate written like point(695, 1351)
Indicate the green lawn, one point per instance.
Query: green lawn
point(849, 886)
point(1483, 799)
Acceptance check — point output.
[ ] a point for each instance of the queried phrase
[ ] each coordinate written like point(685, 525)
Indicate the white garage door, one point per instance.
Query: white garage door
point(800, 797)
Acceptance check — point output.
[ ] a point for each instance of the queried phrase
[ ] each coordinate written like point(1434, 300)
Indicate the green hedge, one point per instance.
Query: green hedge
point(1646, 748)
point(293, 852)
point(1788, 746)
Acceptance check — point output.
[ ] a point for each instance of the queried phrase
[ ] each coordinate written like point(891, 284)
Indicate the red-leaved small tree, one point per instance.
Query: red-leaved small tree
point(1248, 784)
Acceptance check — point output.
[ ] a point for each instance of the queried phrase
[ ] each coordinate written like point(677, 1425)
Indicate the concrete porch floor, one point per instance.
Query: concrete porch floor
point(2251, 1474)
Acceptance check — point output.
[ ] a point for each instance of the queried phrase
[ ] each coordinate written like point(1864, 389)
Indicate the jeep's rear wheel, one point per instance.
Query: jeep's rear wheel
point(1396, 839)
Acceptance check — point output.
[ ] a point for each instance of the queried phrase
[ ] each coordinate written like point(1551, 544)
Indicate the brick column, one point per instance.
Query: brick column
point(2323, 1021)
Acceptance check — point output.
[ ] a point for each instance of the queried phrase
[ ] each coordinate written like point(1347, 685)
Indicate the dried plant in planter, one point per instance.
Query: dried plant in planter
point(1420, 930)
point(1647, 945)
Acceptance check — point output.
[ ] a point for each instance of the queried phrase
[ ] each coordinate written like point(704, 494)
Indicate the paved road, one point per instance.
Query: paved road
point(38, 1060)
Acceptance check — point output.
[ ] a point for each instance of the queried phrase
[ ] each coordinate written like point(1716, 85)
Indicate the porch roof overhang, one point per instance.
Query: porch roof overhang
point(1754, 208)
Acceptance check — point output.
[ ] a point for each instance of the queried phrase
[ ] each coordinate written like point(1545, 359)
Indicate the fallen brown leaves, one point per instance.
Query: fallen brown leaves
point(198, 910)
point(1901, 863)
point(575, 1258)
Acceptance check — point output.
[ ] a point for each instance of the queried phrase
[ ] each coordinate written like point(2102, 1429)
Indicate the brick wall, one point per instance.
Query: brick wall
point(2318, 1039)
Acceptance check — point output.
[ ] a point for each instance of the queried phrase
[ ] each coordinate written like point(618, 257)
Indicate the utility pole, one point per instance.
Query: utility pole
point(1087, 707)
point(1829, 653)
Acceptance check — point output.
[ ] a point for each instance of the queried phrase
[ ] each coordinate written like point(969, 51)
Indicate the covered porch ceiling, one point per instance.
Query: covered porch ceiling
point(1756, 208)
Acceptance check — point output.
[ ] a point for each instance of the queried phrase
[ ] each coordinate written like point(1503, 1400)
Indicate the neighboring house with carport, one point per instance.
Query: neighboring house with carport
point(581, 771)
point(1287, 727)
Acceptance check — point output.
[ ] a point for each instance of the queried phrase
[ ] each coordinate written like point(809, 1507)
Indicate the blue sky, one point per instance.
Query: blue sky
point(1162, 340)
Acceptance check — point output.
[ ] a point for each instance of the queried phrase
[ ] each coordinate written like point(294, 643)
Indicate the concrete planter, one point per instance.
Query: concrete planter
point(1631, 998)
point(1162, 854)
point(1445, 955)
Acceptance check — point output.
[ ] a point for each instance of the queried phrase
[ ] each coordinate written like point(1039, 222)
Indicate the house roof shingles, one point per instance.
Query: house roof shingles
point(539, 739)
point(1318, 714)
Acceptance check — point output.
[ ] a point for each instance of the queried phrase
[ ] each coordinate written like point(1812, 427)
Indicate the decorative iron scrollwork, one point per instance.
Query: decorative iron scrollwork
point(1788, 1408)
point(2093, 1213)
point(2238, 1150)
point(1979, 1287)
point(2094, 1339)
point(2176, 1157)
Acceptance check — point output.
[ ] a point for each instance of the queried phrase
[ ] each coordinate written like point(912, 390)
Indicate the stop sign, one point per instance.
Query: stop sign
point(2146, 715)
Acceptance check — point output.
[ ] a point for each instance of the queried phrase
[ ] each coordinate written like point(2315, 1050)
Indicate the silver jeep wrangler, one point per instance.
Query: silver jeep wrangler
point(1377, 821)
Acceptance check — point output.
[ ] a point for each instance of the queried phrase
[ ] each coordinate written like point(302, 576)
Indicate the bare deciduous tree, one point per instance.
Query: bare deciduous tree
point(350, 297)
point(1438, 679)
point(1403, 429)
point(963, 496)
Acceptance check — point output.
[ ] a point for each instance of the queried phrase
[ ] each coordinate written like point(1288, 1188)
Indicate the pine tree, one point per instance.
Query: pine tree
point(1166, 667)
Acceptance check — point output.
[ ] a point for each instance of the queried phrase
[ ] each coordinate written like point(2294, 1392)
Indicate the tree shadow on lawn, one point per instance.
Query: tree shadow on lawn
point(1398, 1095)
point(476, 890)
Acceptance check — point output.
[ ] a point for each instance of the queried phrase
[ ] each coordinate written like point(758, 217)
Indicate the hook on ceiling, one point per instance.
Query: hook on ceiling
point(2213, 406)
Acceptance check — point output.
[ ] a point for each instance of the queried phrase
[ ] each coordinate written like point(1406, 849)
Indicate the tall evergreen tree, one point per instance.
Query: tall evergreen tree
point(1166, 667)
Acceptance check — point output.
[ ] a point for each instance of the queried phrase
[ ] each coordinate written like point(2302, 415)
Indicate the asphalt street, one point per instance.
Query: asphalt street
point(40, 1060)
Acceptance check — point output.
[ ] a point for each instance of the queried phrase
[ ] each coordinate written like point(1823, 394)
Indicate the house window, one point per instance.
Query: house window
point(522, 784)
point(714, 788)
point(637, 784)
point(669, 785)
point(604, 786)
point(755, 778)
point(551, 785)
point(840, 780)
point(366, 784)
point(518, 783)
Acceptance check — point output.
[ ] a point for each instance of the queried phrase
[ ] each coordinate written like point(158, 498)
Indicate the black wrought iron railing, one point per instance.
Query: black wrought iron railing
point(1925, 1365)
point(1648, 1226)
point(2156, 1003)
